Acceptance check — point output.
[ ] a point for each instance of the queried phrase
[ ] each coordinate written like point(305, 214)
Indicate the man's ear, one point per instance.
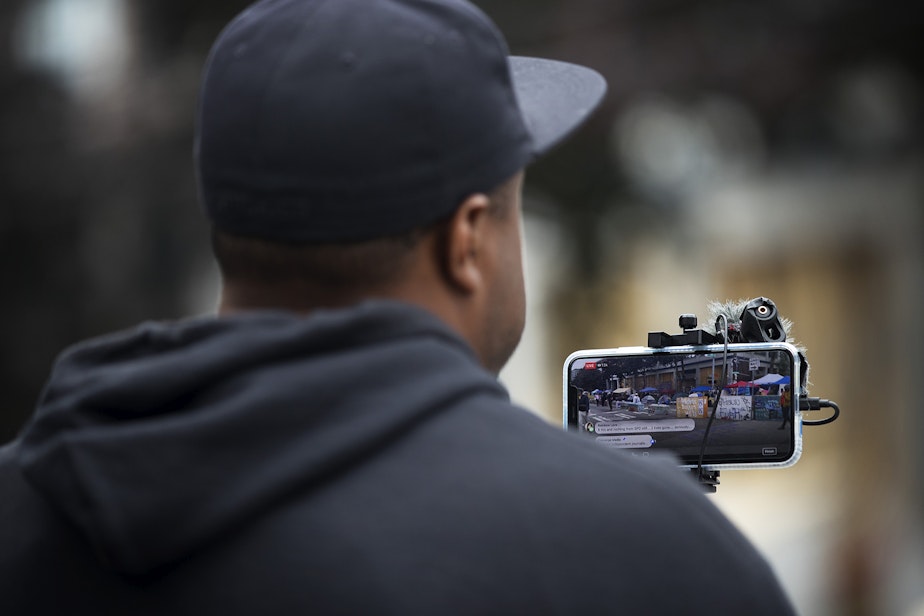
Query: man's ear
point(465, 242)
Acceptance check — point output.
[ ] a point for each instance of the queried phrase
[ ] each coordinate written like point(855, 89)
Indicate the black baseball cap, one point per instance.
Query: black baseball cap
point(345, 120)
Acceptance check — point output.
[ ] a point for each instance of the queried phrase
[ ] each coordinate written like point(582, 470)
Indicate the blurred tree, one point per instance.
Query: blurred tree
point(99, 226)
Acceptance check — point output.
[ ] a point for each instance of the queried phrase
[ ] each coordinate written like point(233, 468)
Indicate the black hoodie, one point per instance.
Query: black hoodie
point(355, 461)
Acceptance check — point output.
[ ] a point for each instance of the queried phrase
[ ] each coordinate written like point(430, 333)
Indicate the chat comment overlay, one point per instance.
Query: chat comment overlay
point(636, 426)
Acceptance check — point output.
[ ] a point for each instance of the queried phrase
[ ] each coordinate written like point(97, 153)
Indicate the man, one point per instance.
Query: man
point(785, 406)
point(335, 441)
point(583, 407)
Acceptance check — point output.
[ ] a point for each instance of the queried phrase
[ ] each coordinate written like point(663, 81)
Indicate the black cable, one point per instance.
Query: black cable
point(814, 404)
point(702, 449)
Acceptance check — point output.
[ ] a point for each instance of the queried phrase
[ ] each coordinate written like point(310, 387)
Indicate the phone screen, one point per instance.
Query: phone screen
point(645, 400)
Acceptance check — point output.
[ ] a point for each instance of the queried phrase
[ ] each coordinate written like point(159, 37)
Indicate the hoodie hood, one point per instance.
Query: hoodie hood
point(156, 440)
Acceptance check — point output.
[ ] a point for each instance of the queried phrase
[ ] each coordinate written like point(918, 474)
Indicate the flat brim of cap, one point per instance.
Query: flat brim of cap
point(555, 97)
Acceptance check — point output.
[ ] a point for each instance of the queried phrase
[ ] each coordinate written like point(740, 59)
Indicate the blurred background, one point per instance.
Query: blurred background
point(770, 148)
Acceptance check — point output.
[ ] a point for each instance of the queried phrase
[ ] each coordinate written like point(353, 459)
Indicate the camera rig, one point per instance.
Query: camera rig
point(758, 321)
point(755, 320)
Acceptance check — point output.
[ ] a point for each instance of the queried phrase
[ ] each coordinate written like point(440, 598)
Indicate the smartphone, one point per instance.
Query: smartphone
point(647, 400)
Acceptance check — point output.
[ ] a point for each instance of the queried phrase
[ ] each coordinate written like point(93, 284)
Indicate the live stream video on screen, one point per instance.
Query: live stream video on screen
point(648, 402)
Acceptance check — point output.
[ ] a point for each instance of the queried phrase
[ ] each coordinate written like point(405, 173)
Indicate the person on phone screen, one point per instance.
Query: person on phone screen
point(785, 406)
point(335, 439)
point(583, 405)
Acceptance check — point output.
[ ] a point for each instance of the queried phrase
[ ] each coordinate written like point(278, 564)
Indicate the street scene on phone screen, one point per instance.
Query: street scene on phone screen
point(651, 402)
